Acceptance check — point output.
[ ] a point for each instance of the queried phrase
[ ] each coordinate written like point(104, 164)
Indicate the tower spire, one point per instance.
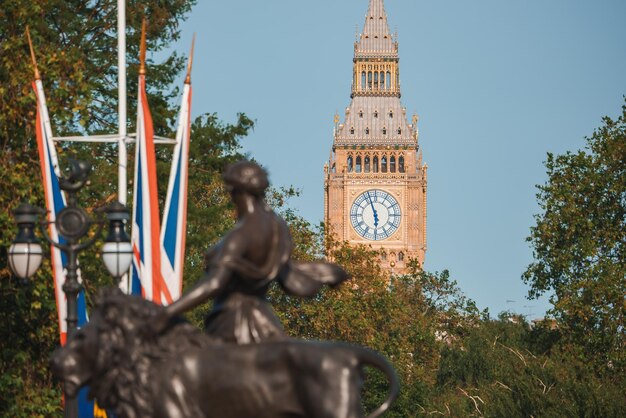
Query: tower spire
point(376, 37)
point(376, 59)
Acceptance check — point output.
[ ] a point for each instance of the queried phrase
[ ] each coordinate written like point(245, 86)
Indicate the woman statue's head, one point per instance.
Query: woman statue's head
point(246, 176)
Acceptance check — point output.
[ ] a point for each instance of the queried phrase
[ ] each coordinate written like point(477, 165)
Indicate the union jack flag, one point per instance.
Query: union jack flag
point(146, 278)
point(55, 202)
point(174, 226)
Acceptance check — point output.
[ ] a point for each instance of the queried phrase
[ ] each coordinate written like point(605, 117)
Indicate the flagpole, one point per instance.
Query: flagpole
point(121, 87)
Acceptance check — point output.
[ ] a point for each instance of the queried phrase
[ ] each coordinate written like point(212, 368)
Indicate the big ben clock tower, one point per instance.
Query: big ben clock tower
point(375, 181)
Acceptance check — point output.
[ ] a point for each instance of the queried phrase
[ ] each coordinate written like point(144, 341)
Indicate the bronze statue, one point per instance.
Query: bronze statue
point(184, 373)
point(241, 267)
point(143, 360)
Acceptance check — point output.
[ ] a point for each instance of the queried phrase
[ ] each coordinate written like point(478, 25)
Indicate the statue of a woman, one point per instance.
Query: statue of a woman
point(241, 267)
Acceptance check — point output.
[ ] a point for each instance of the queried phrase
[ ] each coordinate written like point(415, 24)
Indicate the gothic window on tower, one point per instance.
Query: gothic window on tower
point(383, 164)
point(360, 113)
point(382, 80)
point(352, 130)
point(375, 113)
point(383, 256)
point(401, 164)
point(367, 131)
point(392, 164)
point(376, 80)
point(367, 164)
point(399, 131)
point(388, 80)
point(363, 80)
point(358, 164)
point(400, 256)
point(349, 164)
point(369, 80)
point(384, 131)
point(375, 164)
point(391, 114)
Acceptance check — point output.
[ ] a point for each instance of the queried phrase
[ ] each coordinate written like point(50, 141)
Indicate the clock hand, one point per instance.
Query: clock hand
point(375, 213)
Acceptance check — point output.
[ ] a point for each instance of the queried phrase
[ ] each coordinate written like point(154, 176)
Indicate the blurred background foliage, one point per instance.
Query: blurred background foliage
point(453, 360)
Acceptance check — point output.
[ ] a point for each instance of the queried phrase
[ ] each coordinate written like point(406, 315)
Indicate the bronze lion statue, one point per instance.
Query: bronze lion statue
point(184, 373)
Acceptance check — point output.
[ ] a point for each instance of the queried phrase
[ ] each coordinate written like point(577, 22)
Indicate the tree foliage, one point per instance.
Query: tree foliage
point(504, 368)
point(76, 43)
point(579, 242)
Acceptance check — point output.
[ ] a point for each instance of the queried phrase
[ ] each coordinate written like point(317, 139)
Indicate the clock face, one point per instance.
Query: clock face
point(375, 215)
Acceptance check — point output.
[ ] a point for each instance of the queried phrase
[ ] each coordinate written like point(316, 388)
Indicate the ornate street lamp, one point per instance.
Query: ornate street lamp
point(73, 225)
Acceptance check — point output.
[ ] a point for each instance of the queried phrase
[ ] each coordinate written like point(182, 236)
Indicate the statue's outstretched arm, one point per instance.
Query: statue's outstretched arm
point(209, 286)
point(216, 276)
point(213, 282)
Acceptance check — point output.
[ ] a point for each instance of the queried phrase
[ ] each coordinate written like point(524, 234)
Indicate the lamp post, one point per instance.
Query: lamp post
point(73, 225)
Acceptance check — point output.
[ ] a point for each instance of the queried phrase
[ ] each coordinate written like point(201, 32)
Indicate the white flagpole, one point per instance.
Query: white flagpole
point(121, 88)
point(122, 157)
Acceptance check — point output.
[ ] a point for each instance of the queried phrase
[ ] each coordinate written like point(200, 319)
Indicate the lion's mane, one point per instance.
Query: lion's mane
point(127, 353)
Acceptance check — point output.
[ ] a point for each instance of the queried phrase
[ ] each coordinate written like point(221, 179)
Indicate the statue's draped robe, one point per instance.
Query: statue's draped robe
point(241, 313)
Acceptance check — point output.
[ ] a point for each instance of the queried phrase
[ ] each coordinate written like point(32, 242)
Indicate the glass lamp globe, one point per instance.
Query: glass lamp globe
point(25, 253)
point(117, 257)
point(25, 258)
point(117, 251)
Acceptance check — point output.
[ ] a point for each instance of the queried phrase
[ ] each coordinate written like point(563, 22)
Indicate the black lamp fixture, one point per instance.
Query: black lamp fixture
point(73, 225)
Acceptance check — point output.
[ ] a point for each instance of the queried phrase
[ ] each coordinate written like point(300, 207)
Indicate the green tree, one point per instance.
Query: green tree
point(579, 243)
point(76, 44)
point(503, 368)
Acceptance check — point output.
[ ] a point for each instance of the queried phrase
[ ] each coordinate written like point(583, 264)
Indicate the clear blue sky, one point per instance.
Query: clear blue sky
point(497, 84)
